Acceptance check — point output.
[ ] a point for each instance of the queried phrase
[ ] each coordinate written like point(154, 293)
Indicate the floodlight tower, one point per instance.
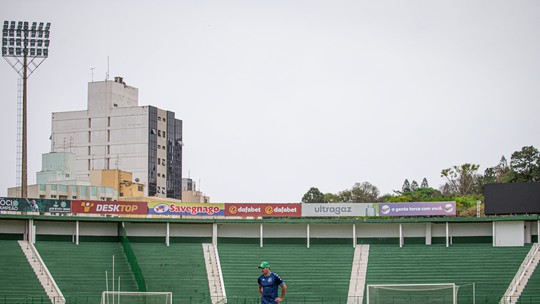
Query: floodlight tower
point(31, 45)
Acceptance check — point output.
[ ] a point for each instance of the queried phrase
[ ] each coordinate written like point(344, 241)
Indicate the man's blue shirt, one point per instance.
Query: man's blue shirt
point(270, 286)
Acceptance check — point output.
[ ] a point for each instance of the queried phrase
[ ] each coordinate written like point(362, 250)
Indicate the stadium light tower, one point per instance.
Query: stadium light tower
point(31, 45)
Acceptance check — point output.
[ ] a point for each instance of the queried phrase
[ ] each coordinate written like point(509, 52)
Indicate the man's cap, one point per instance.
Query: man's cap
point(264, 265)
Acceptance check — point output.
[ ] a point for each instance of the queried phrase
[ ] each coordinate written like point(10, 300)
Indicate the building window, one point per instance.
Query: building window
point(74, 197)
point(159, 133)
point(162, 147)
point(108, 149)
point(89, 136)
point(159, 161)
point(115, 105)
point(159, 118)
point(163, 175)
point(88, 165)
point(159, 175)
point(159, 146)
point(89, 122)
point(108, 135)
point(164, 119)
point(164, 134)
point(89, 150)
point(140, 188)
point(108, 121)
point(67, 175)
point(53, 195)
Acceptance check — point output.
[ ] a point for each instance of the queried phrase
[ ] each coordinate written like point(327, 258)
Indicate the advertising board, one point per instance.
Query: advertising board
point(418, 209)
point(340, 209)
point(108, 207)
point(34, 205)
point(244, 210)
point(188, 209)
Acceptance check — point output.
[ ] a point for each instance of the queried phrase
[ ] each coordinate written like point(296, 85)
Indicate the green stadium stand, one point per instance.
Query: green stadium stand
point(18, 282)
point(319, 274)
point(79, 270)
point(490, 268)
point(531, 293)
point(178, 268)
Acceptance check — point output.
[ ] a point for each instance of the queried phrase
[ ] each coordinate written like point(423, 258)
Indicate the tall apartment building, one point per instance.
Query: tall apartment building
point(116, 133)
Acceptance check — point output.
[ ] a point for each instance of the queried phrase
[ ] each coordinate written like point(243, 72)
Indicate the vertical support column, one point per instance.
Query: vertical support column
point(214, 234)
point(447, 235)
point(493, 233)
point(354, 235)
point(77, 232)
point(261, 235)
point(307, 235)
point(428, 233)
point(401, 235)
point(168, 234)
point(31, 234)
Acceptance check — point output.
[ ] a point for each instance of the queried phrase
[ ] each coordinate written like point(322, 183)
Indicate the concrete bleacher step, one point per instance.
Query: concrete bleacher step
point(42, 273)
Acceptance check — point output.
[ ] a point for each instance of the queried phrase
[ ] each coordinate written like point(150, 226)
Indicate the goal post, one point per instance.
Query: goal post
point(446, 293)
point(126, 297)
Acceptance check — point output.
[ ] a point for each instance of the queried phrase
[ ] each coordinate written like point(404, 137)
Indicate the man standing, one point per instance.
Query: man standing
point(268, 285)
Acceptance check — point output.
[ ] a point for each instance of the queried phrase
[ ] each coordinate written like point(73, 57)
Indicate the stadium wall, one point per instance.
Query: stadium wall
point(509, 231)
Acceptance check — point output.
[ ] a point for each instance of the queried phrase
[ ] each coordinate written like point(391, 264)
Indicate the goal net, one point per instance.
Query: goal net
point(412, 293)
point(124, 297)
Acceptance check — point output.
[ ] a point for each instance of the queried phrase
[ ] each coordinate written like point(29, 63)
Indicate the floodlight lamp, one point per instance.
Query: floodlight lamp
point(45, 52)
point(47, 33)
point(12, 25)
point(11, 41)
point(4, 51)
point(47, 43)
point(32, 42)
point(38, 52)
point(34, 25)
point(48, 26)
point(19, 33)
point(18, 51)
point(40, 33)
point(6, 24)
point(19, 25)
point(33, 33)
point(40, 27)
point(32, 52)
point(25, 27)
point(18, 41)
point(11, 51)
point(11, 33)
point(4, 42)
point(5, 32)
point(39, 43)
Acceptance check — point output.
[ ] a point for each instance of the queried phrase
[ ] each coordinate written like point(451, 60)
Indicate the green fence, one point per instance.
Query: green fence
point(132, 259)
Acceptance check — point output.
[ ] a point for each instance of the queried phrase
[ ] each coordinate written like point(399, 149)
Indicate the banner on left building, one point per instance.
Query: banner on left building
point(34, 205)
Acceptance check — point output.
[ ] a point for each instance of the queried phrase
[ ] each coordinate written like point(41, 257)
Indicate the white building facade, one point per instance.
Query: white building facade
point(116, 133)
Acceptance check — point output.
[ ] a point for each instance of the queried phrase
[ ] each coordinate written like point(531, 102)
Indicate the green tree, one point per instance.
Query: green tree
point(424, 184)
point(525, 165)
point(461, 180)
point(360, 193)
point(331, 198)
point(406, 186)
point(414, 185)
point(313, 196)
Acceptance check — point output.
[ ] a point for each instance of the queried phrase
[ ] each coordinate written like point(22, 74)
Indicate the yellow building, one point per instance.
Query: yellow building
point(119, 180)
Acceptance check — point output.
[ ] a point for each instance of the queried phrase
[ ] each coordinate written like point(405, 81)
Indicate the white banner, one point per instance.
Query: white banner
point(340, 209)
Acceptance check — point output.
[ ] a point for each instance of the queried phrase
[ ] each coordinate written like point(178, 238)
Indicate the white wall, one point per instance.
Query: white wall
point(509, 233)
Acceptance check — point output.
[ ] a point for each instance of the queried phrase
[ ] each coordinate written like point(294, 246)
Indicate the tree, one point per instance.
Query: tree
point(331, 198)
point(424, 184)
point(406, 186)
point(461, 179)
point(414, 185)
point(313, 196)
point(525, 165)
point(360, 193)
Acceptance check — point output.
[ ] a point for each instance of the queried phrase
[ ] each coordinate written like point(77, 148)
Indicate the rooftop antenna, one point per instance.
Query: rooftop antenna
point(107, 75)
point(92, 69)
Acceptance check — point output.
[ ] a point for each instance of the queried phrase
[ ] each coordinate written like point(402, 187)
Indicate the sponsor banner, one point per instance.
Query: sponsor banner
point(108, 207)
point(340, 209)
point(193, 209)
point(34, 205)
point(417, 209)
point(293, 210)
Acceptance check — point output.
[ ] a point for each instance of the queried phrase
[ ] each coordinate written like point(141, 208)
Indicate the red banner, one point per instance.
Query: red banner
point(106, 207)
point(263, 210)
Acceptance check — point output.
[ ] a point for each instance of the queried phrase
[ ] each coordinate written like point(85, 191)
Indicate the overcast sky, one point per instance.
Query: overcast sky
point(280, 96)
